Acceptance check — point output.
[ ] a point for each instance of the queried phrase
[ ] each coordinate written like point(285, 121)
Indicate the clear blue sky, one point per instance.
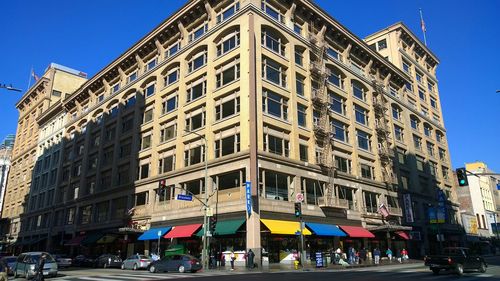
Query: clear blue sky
point(87, 35)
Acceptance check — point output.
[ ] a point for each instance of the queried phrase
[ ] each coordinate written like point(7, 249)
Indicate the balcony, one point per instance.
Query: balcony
point(333, 203)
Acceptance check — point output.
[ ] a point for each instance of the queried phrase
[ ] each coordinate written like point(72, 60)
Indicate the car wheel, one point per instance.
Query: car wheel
point(135, 266)
point(459, 269)
point(152, 269)
point(181, 269)
point(123, 266)
point(482, 268)
point(435, 271)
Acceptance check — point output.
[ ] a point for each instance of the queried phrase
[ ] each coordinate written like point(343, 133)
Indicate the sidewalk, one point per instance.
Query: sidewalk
point(275, 267)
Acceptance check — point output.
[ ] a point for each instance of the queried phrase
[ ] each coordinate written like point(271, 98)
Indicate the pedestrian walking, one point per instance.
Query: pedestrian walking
point(404, 254)
point(376, 255)
point(362, 255)
point(350, 255)
point(39, 272)
point(389, 254)
point(232, 258)
point(250, 259)
point(222, 260)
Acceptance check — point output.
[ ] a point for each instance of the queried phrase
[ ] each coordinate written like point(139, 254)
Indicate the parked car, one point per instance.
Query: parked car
point(179, 263)
point(136, 262)
point(84, 261)
point(10, 261)
point(108, 260)
point(455, 259)
point(27, 263)
point(63, 260)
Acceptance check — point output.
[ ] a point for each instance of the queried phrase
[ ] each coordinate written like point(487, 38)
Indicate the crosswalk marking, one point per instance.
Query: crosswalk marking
point(100, 278)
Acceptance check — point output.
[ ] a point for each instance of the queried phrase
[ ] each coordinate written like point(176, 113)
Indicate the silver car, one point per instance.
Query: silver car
point(136, 262)
point(27, 265)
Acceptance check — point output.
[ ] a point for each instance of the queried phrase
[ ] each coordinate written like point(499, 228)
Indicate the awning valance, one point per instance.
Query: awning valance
point(321, 229)
point(284, 227)
point(356, 232)
point(403, 235)
point(154, 233)
point(183, 231)
point(225, 227)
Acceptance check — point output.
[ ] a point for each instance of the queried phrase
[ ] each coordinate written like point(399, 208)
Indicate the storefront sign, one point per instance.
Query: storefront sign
point(248, 192)
point(408, 207)
point(319, 259)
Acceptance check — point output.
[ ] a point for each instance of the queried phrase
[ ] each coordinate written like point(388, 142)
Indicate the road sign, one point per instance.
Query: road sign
point(184, 197)
point(299, 197)
point(210, 212)
point(248, 193)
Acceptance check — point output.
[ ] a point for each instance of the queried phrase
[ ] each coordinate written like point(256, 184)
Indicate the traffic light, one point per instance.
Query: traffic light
point(162, 184)
point(462, 177)
point(213, 224)
point(298, 209)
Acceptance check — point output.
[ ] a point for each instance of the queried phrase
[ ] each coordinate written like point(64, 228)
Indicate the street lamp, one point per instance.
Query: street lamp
point(10, 88)
point(204, 253)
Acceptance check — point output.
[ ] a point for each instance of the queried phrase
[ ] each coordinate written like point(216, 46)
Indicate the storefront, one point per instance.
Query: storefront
point(281, 240)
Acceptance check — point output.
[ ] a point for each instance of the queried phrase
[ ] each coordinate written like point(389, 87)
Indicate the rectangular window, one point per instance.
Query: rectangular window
point(417, 142)
point(100, 98)
point(339, 130)
point(171, 77)
point(414, 123)
point(144, 170)
point(274, 104)
point(299, 84)
point(342, 164)
point(168, 133)
point(228, 44)
point(366, 171)
point(406, 67)
point(226, 146)
point(115, 88)
point(197, 33)
point(433, 168)
point(398, 133)
point(86, 214)
point(427, 130)
point(332, 53)
point(382, 44)
point(141, 198)
point(127, 124)
point(275, 185)
point(197, 91)
point(197, 62)
point(196, 121)
point(361, 115)
point(148, 116)
point(421, 94)
point(130, 102)
point(227, 13)
point(401, 156)
point(151, 64)
point(442, 154)
point(358, 91)
point(276, 145)
point(173, 49)
point(166, 164)
point(371, 202)
point(125, 149)
point(301, 115)
point(430, 87)
point(146, 141)
point(336, 80)
point(227, 109)
point(132, 77)
point(297, 28)
point(337, 103)
point(363, 140)
point(123, 174)
point(271, 11)
point(169, 105)
point(227, 76)
point(433, 102)
point(419, 78)
point(420, 163)
point(299, 57)
point(194, 155)
point(274, 72)
point(303, 152)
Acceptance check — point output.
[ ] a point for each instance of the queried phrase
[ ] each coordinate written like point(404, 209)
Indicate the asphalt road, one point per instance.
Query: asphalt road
point(404, 272)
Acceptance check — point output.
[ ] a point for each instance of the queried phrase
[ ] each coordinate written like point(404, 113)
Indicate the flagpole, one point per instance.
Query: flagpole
point(29, 81)
point(422, 24)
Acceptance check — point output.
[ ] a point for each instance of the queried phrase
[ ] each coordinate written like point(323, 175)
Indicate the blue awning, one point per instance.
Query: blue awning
point(325, 229)
point(152, 234)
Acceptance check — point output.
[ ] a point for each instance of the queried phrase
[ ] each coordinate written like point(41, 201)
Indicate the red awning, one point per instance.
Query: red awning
point(357, 232)
point(182, 231)
point(403, 235)
point(75, 241)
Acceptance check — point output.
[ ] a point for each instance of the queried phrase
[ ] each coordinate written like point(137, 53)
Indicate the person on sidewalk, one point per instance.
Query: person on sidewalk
point(3, 270)
point(362, 255)
point(222, 260)
point(389, 254)
point(350, 254)
point(404, 254)
point(376, 256)
point(250, 258)
point(338, 255)
point(232, 258)
point(39, 272)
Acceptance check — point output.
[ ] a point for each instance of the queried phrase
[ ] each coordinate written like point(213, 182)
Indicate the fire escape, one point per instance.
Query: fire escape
point(381, 126)
point(322, 129)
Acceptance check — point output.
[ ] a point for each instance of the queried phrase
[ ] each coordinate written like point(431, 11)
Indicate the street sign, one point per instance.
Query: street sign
point(210, 212)
point(299, 197)
point(248, 193)
point(184, 197)
point(159, 233)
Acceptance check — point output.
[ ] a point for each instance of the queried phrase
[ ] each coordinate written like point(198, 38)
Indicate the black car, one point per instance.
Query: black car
point(177, 263)
point(108, 260)
point(456, 259)
point(84, 261)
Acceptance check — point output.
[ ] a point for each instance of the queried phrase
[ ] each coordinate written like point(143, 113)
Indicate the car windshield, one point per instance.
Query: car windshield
point(142, 257)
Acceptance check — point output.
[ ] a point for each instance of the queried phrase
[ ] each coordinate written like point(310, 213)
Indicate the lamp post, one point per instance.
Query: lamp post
point(9, 88)
point(204, 253)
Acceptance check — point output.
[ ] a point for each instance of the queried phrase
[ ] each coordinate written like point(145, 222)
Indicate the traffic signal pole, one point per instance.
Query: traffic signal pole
point(302, 248)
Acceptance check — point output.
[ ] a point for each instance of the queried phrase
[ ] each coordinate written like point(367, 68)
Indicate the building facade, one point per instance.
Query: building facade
point(244, 105)
point(5, 154)
point(55, 83)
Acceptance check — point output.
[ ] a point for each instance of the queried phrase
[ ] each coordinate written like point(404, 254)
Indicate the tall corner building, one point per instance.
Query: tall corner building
point(250, 106)
point(56, 82)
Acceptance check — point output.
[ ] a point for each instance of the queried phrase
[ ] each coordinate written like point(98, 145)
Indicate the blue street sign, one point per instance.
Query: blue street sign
point(184, 197)
point(432, 215)
point(248, 192)
point(441, 196)
point(498, 186)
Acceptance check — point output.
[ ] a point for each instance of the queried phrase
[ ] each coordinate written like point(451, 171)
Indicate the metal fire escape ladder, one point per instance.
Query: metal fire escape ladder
point(381, 126)
point(322, 130)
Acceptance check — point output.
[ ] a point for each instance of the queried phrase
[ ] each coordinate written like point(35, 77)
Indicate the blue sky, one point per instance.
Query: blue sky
point(87, 35)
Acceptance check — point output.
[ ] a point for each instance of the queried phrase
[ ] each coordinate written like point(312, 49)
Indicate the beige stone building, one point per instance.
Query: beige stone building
point(56, 82)
point(279, 95)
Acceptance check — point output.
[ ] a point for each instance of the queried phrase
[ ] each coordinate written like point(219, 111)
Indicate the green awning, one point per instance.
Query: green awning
point(226, 227)
point(92, 238)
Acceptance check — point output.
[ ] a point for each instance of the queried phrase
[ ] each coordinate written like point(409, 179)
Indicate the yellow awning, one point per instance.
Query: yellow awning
point(284, 227)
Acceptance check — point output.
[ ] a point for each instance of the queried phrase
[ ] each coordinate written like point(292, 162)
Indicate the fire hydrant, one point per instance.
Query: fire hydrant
point(296, 264)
